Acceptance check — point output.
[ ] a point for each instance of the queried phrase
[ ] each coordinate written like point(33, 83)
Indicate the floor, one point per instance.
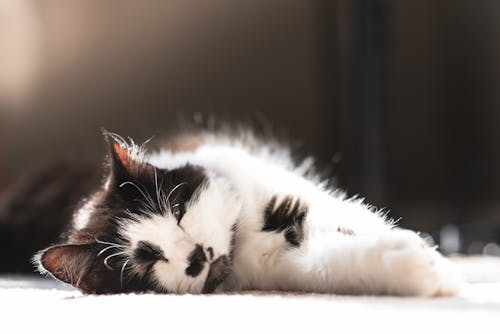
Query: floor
point(43, 305)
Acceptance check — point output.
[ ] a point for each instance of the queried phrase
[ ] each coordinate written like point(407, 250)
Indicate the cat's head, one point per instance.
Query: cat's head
point(149, 229)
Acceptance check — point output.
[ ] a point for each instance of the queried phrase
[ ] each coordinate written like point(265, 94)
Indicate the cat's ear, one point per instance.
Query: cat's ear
point(125, 160)
point(78, 265)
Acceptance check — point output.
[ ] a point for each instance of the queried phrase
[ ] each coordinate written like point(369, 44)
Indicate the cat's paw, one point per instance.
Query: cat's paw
point(286, 215)
point(412, 268)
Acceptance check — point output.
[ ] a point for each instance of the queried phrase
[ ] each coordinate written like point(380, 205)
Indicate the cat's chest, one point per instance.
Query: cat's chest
point(275, 230)
point(254, 255)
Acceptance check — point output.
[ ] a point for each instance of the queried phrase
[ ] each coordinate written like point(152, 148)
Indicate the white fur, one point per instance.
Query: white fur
point(208, 221)
point(375, 259)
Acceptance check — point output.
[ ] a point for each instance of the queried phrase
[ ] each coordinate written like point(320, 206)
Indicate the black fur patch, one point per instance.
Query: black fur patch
point(132, 187)
point(197, 260)
point(146, 251)
point(287, 217)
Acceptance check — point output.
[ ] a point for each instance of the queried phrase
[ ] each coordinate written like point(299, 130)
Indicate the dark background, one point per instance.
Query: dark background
point(398, 99)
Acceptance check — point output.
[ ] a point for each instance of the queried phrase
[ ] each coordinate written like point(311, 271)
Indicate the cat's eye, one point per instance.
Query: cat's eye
point(146, 251)
point(177, 212)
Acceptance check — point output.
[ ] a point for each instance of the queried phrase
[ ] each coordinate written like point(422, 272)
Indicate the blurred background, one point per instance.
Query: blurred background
point(397, 99)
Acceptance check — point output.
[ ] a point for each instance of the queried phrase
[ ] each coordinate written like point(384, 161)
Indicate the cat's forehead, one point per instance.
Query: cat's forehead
point(146, 192)
point(211, 203)
point(159, 230)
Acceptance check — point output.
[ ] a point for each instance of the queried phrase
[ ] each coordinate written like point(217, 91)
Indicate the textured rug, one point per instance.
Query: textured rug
point(29, 304)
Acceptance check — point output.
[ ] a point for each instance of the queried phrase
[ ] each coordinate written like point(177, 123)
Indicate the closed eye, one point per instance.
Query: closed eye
point(177, 212)
point(146, 251)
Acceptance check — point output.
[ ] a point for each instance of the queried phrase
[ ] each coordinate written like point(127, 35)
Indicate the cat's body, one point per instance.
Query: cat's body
point(212, 213)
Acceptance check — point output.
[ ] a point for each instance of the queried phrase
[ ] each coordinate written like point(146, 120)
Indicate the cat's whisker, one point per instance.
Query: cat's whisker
point(157, 190)
point(175, 199)
point(109, 247)
point(174, 189)
point(131, 274)
point(109, 257)
point(148, 198)
point(77, 285)
point(121, 272)
point(107, 242)
point(146, 205)
point(164, 202)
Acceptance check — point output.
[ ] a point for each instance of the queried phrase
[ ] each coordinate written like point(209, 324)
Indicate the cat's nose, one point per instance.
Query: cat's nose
point(197, 255)
point(196, 260)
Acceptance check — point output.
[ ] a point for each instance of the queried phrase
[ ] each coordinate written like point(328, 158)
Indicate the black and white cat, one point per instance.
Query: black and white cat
point(211, 213)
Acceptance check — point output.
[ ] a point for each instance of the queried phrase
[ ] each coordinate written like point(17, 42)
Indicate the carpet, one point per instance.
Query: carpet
point(30, 303)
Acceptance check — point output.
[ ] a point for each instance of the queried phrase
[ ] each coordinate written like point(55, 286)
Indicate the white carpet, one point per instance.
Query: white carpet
point(29, 304)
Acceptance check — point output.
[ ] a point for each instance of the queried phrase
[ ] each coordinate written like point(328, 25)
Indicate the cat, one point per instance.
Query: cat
point(211, 213)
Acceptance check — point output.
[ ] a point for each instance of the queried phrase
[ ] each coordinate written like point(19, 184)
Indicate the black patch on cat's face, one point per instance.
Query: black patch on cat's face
point(197, 260)
point(147, 252)
point(287, 217)
point(132, 187)
point(145, 188)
